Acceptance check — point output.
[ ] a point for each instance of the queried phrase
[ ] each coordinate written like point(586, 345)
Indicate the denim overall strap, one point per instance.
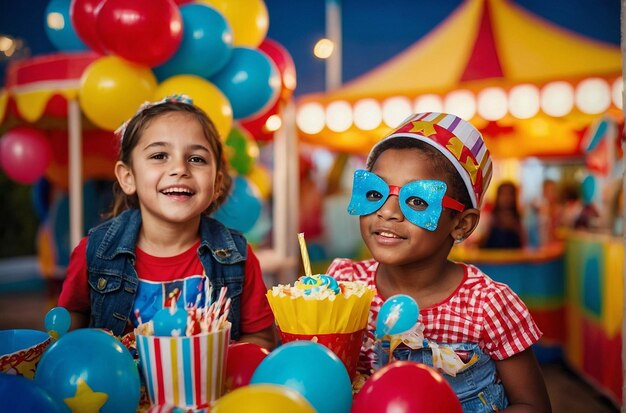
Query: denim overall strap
point(223, 252)
point(111, 274)
point(476, 385)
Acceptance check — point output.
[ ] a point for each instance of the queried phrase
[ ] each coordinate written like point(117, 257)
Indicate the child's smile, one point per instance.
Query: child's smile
point(173, 170)
point(178, 192)
point(387, 233)
point(387, 237)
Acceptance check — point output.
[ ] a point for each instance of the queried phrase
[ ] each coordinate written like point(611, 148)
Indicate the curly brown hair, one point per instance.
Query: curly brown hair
point(140, 122)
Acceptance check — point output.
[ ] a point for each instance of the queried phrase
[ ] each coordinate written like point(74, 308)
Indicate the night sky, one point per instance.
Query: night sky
point(373, 31)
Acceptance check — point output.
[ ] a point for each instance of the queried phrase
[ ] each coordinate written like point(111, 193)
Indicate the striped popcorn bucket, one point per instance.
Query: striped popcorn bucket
point(186, 372)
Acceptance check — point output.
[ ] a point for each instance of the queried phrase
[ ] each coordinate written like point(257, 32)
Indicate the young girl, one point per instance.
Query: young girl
point(161, 245)
point(420, 194)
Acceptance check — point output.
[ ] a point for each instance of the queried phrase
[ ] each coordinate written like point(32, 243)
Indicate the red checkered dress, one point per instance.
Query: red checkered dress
point(479, 311)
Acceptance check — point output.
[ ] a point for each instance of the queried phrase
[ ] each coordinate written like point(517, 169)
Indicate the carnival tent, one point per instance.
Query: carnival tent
point(531, 87)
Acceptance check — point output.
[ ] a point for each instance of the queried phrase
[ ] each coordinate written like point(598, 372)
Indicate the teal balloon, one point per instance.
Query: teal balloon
point(242, 207)
point(312, 370)
point(97, 358)
point(397, 314)
point(250, 81)
point(261, 228)
point(206, 46)
point(59, 29)
point(588, 189)
point(19, 394)
point(58, 319)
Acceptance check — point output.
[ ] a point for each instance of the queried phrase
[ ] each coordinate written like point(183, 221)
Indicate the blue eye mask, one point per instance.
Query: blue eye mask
point(421, 202)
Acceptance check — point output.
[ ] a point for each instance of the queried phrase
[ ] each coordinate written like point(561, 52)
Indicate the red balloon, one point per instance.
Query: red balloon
point(283, 61)
point(243, 359)
point(83, 14)
point(25, 154)
point(147, 32)
point(406, 386)
point(257, 126)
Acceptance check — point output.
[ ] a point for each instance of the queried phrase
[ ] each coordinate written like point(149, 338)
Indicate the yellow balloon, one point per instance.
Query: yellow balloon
point(248, 19)
point(112, 89)
point(205, 95)
point(262, 179)
point(262, 398)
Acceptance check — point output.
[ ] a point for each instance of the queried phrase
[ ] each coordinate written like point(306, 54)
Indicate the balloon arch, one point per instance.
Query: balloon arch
point(58, 111)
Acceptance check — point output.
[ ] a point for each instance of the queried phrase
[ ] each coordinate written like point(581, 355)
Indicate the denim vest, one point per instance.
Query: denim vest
point(113, 280)
point(476, 385)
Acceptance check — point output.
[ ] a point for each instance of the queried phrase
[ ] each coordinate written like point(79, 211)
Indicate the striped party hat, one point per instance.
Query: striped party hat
point(458, 140)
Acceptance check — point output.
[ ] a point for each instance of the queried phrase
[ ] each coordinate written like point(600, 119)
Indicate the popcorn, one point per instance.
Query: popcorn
point(185, 362)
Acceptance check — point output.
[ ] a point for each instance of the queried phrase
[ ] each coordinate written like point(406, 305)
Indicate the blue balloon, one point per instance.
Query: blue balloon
point(19, 394)
point(261, 228)
point(397, 314)
point(588, 189)
point(90, 360)
point(312, 370)
point(58, 319)
point(242, 207)
point(165, 323)
point(206, 46)
point(59, 27)
point(250, 81)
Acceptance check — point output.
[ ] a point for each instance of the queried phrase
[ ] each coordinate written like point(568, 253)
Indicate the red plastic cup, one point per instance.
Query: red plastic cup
point(346, 346)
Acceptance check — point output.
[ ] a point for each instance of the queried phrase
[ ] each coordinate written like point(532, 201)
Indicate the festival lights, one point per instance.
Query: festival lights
point(590, 96)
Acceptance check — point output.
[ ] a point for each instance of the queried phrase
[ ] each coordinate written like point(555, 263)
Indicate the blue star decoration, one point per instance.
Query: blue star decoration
point(86, 400)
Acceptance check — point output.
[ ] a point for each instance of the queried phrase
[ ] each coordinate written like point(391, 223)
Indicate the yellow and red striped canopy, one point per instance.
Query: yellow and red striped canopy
point(483, 44)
